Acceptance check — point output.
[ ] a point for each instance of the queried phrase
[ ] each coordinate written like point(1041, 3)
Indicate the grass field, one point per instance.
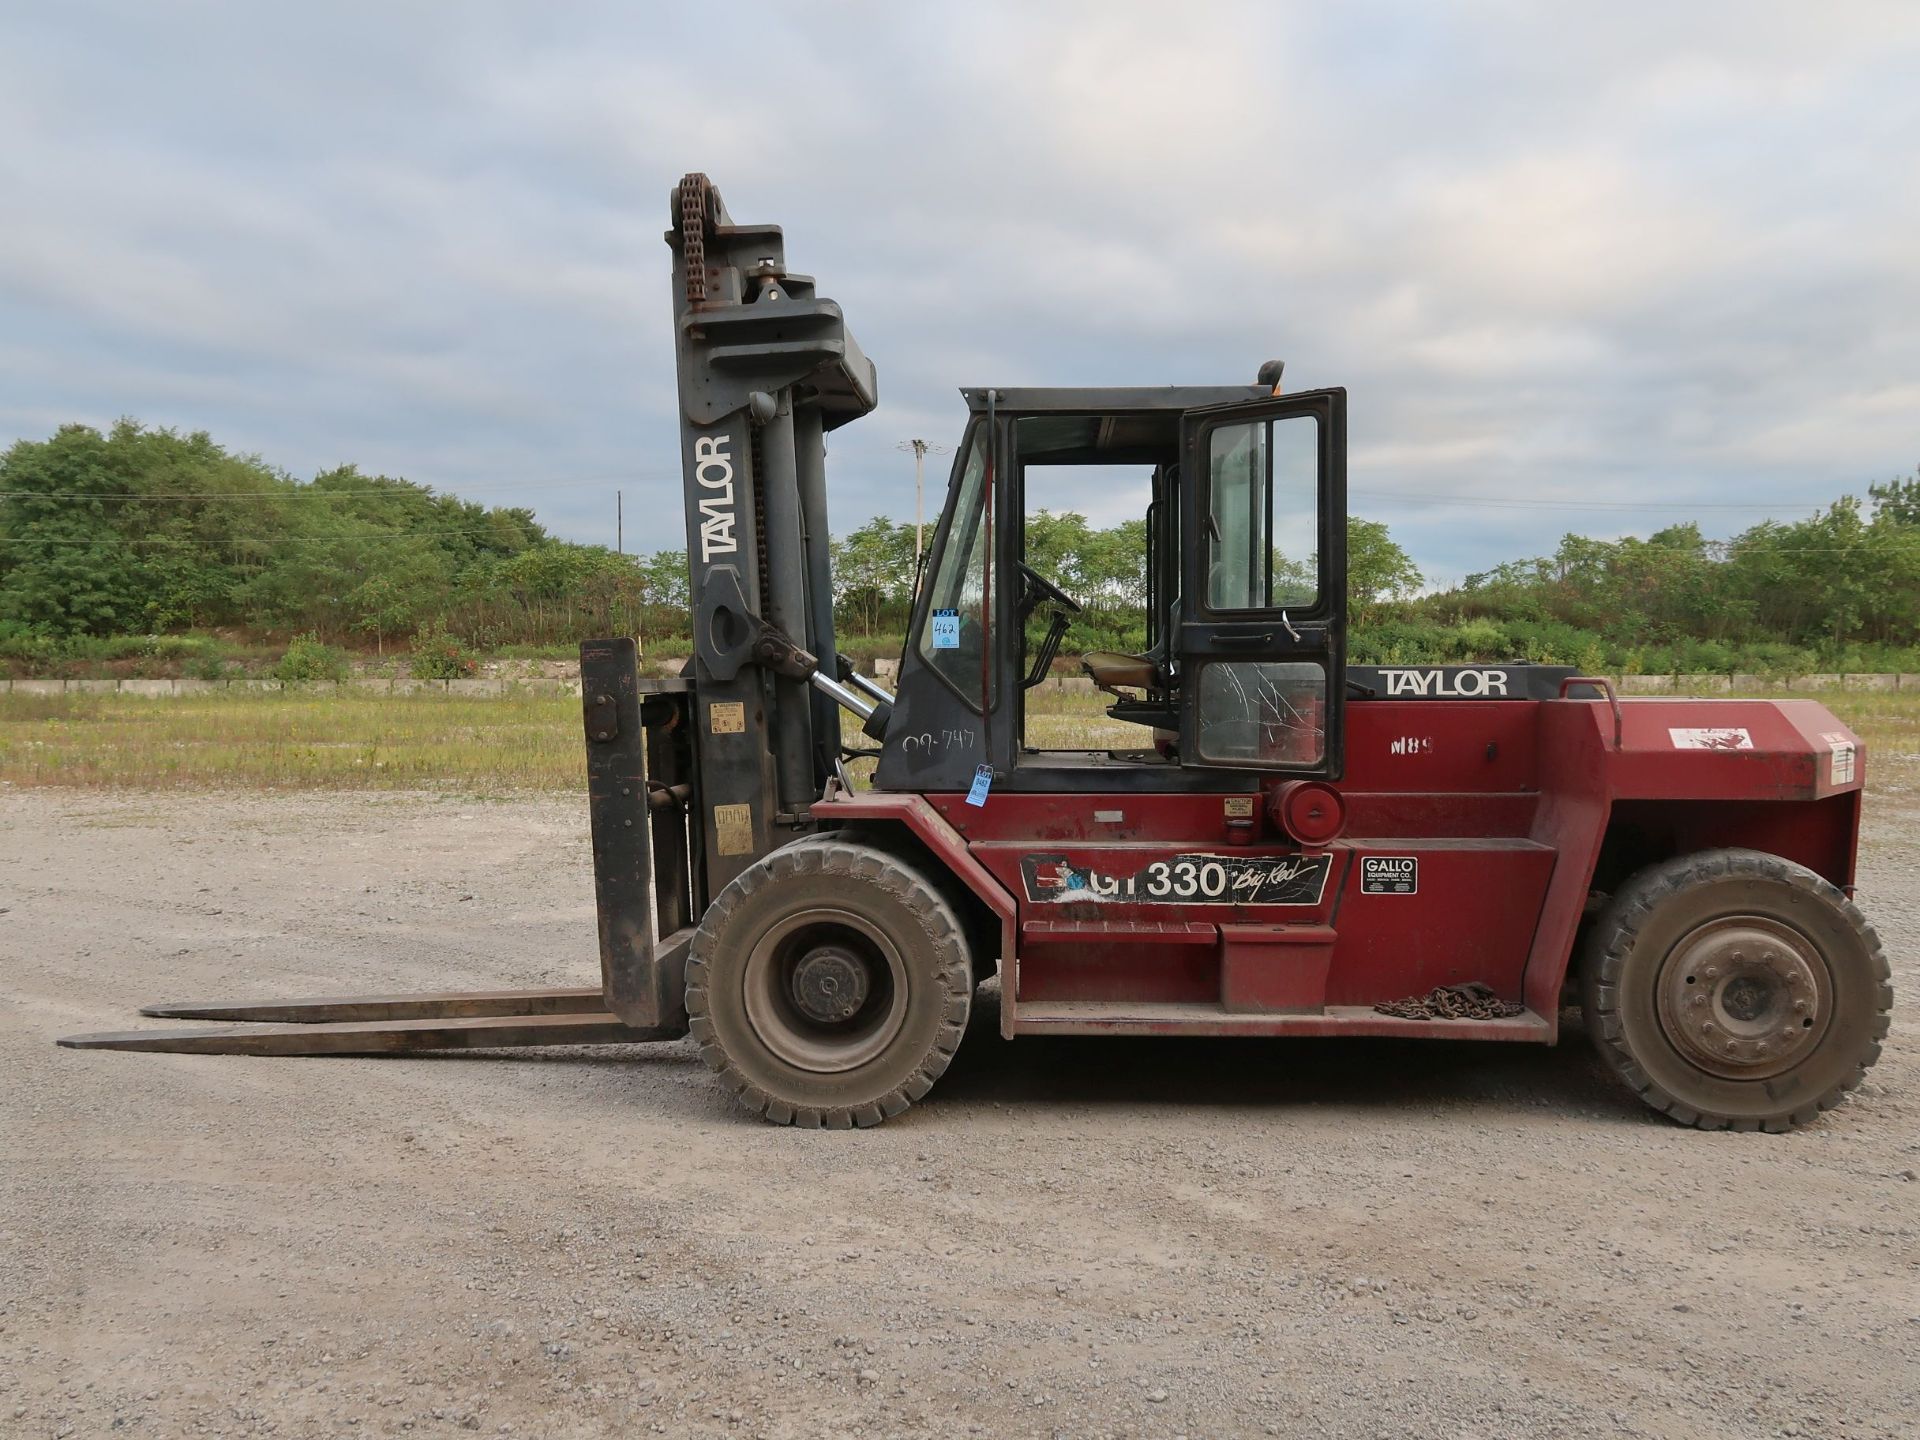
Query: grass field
point(517, 742)
point(293, 740)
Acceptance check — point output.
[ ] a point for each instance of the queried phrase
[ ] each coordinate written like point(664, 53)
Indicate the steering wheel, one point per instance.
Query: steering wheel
point(1047, 589)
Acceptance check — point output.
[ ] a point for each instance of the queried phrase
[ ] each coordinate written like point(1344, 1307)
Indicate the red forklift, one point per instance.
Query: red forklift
point(1289, 845)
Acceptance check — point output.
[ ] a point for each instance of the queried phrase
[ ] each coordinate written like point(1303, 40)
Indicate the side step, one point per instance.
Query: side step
point(386, 1025)
point(1126, 1017)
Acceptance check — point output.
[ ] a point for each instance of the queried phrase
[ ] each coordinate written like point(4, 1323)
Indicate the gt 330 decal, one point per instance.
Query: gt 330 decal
point(1184, 880)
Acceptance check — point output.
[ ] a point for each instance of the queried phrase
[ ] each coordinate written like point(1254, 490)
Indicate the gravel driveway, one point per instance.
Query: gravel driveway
point(1070, 1237)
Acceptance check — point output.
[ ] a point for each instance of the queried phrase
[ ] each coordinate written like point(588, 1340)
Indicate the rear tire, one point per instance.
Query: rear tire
point(1736, 990)
point(829, 985)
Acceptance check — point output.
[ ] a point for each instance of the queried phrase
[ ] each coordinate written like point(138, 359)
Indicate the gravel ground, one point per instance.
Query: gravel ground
point(1075, 1238)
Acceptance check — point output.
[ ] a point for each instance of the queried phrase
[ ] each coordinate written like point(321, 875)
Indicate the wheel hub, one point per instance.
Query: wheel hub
point(829, 984)
point(1744, 997)
point(825, 989)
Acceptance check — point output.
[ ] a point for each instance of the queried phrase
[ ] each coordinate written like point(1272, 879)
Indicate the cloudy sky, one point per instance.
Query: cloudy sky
point(1595, 268)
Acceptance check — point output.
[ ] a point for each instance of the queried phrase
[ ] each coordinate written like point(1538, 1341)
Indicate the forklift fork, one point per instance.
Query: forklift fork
point(645, 834)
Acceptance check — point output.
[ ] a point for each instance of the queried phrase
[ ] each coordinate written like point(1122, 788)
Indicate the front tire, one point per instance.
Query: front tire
point(1736, 990)
point(829, 985)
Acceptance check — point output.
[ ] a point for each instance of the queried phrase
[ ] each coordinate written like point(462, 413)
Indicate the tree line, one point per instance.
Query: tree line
point(138, 530)
point(144, 530)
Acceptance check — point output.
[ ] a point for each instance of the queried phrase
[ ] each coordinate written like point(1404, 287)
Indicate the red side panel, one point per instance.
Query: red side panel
point(1474, 832)
point(1472, 919)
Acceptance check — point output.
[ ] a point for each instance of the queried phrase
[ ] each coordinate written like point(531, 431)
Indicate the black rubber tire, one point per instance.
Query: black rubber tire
point(1659, 906)
point(889, 894)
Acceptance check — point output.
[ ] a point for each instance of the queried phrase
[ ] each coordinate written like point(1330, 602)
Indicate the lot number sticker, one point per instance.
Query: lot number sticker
point(946, 629)
point(1389, 875)
point(1842, 747)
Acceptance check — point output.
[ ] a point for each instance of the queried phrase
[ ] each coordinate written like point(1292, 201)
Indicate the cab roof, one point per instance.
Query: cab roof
point(1034, 400)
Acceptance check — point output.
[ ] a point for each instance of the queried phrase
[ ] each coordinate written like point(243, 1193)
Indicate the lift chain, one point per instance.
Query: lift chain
point(693, 236)
point(1471, 1001)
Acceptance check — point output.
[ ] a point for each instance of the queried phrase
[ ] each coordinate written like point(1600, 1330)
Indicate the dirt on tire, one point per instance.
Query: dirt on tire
point(1657, 907)
point(877, 889)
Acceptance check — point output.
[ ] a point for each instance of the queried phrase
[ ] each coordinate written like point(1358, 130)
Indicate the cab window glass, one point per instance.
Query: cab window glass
point(953, 633)
point(1263, 712)
point(1263, 514)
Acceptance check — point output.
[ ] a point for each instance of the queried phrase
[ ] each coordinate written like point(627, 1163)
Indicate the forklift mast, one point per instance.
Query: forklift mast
point(765, 368)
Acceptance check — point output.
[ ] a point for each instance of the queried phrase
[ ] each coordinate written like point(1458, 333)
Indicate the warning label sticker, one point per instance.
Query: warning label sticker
point(1842, 748)
point(1389, 875)
point(1711, 738)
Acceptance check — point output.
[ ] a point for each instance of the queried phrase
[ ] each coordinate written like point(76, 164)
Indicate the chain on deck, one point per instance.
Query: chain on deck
point(1471, 1001)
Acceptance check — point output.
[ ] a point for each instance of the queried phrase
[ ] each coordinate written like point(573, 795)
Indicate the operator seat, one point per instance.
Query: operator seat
point(1113, 668)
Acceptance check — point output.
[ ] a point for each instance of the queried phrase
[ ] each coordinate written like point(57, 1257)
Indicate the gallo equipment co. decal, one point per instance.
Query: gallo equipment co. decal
point(1184, 880)
point(1389, 875)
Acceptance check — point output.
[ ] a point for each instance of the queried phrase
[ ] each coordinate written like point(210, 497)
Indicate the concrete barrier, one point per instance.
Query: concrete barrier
point(146, 687)
point(1645, 685)
point(1870, 682)
point(1907, 682)
point(410, 685)
point(476, 687)
point(93, 687)
point(38, 687)
point(1814, 682)
point(1702, 684)
point(371, 684)
point(197, 687)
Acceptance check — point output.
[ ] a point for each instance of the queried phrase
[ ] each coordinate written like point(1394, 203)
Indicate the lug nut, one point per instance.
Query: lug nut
point(1712, 972)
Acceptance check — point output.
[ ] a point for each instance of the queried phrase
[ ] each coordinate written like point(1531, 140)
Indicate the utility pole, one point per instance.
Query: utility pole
point(919, 491)
point(921, 449)
point(619, 522)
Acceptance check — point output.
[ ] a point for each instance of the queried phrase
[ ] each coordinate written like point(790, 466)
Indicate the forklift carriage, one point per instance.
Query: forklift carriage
point(1290, 846)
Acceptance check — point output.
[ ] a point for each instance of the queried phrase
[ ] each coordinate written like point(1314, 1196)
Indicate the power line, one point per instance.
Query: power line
point(1517, 503)
point(306, 491)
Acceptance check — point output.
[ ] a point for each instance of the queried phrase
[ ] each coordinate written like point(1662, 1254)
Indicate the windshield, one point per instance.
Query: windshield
point(953, 632)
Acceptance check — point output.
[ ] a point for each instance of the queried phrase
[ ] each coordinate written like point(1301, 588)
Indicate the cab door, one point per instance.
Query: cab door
point(1263, 610)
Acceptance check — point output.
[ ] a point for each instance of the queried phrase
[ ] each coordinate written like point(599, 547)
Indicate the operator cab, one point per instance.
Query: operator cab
point(1241, 577)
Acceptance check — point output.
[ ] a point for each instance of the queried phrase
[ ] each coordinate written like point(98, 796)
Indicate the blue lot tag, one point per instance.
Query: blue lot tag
point(982, 782)
point(946, 629)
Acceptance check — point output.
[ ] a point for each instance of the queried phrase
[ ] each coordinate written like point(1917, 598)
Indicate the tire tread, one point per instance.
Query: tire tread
point(825, 856)
point(1613, 941)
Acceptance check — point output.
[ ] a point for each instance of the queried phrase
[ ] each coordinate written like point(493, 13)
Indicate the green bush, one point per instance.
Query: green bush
point(307, 660)
point(208, 666)
point(436, 655)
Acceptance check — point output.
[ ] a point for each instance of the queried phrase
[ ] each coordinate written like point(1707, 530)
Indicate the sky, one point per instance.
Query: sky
point(1598, 268)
